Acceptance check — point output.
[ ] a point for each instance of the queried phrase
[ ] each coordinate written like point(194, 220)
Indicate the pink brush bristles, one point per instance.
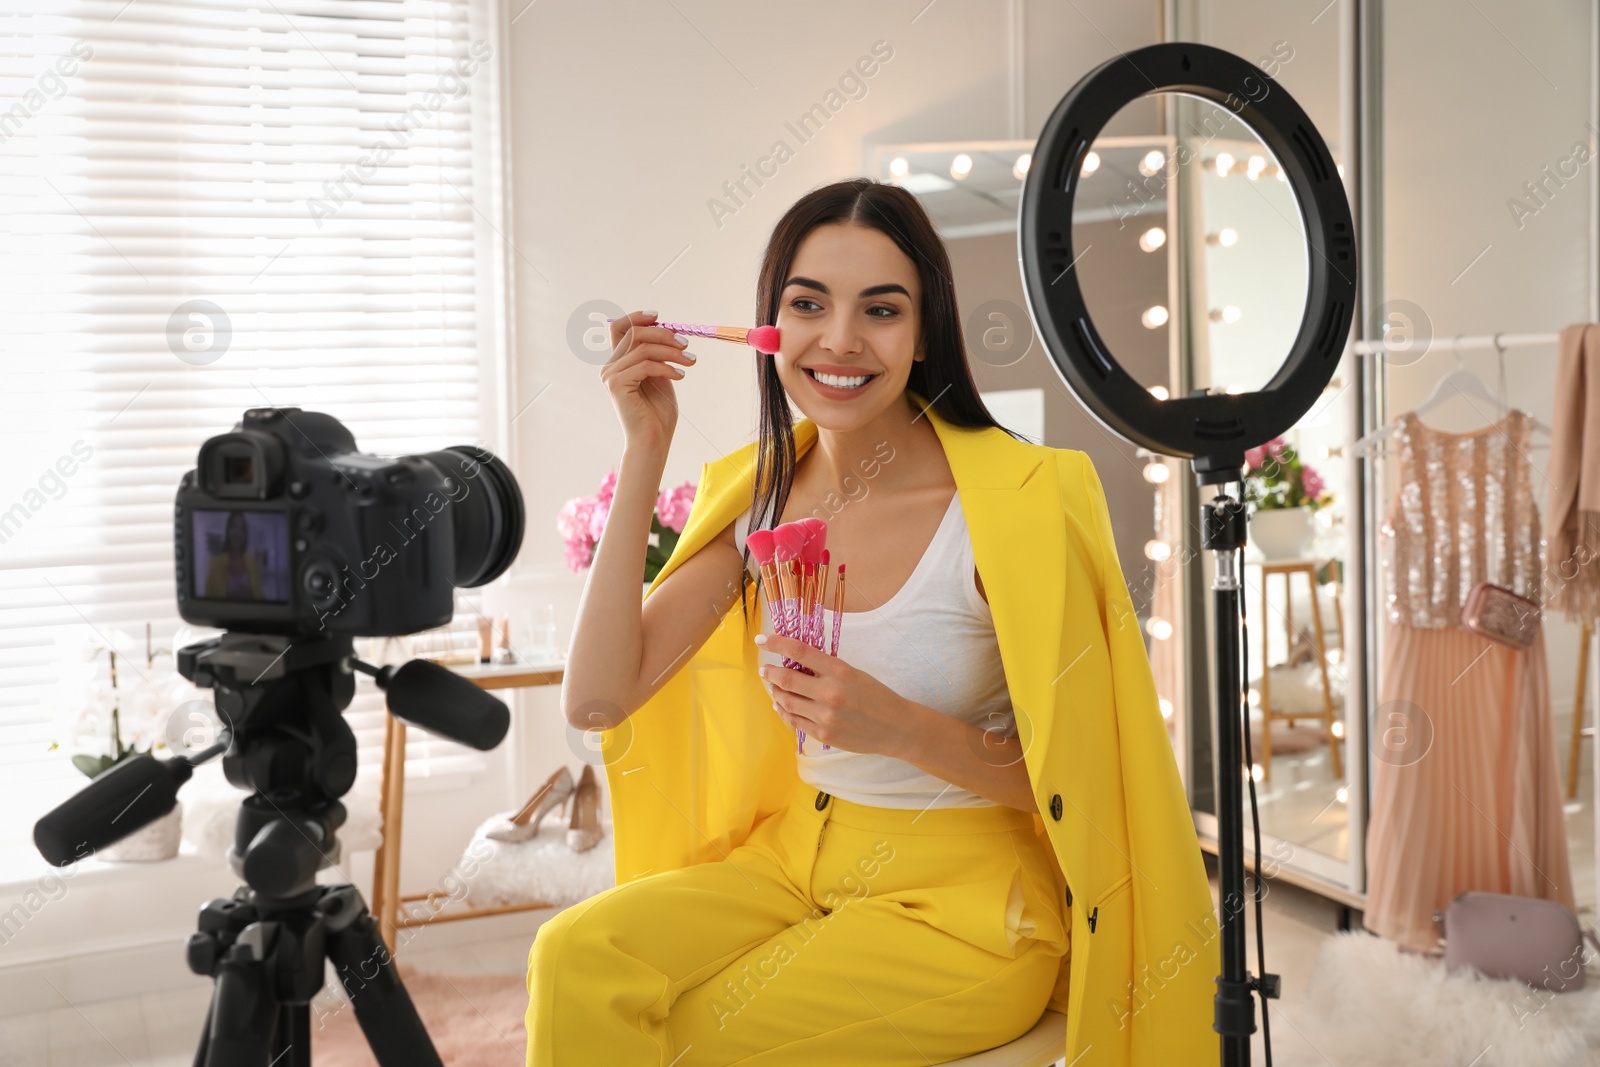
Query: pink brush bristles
point(760, 545)
point(763, 339)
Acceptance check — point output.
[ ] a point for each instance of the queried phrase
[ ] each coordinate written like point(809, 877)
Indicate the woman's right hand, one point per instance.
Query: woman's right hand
point(640, 375)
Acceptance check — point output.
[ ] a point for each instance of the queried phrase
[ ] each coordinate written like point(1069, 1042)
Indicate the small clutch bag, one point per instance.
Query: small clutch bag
point(1504, 936)
point(1501, 615)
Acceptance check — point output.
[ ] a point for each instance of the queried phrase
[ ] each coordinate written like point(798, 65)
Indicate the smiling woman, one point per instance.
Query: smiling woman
point(943, 678)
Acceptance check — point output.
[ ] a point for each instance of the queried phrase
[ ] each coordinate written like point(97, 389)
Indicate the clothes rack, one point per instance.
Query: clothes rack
point(1467, 343)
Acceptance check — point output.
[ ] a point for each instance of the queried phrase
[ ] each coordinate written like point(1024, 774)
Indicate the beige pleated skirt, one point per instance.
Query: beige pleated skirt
point(1465, 789)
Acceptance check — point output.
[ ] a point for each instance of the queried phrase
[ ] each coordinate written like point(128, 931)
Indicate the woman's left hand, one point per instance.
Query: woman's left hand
point(837, 704)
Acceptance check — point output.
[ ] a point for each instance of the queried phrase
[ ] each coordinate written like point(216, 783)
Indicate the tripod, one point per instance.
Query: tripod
point(265, 947)
point(1224, 526)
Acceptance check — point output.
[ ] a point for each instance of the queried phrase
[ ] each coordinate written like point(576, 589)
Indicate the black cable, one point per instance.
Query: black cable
point(1250, 762)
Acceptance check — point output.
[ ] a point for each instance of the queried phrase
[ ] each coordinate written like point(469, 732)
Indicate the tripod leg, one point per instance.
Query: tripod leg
point(293, 1046)
point(389, 1020)
point(244, 1014)
point(205, 1039)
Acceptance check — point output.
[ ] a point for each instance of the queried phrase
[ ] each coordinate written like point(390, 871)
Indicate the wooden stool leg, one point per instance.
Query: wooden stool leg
point(1266, 690)
point(1322, 664)
point(391, 817)
point(1578, 713)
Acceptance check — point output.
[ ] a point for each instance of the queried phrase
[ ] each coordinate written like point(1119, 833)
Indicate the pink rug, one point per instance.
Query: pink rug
point(475, 1020)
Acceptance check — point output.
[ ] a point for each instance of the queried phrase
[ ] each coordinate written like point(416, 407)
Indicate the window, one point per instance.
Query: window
point(210, 207)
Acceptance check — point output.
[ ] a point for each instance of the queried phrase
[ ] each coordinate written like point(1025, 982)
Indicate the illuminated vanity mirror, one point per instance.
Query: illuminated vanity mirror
point(1193, 263)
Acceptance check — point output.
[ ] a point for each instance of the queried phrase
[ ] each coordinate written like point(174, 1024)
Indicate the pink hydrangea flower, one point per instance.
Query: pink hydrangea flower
point(1311, 482)
point(598, 514)
point(673, 505)
point(573, 522)
point(582, 519)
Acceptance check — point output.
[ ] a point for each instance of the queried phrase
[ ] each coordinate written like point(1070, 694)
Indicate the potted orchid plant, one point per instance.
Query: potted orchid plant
point(113, 701)
point(1284, 492)
point(582, 520)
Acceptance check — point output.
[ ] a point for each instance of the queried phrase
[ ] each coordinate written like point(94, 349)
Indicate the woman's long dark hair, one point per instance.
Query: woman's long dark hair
point(942, 375)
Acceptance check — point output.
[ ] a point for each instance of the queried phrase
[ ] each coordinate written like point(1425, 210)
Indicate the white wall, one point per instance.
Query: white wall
point(628, 118)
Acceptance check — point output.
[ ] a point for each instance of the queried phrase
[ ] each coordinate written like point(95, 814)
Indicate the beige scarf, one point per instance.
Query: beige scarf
point(1573, 549)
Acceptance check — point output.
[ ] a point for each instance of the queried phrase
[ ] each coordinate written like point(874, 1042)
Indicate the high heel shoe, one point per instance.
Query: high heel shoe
point(584, 831)
point(524, 825)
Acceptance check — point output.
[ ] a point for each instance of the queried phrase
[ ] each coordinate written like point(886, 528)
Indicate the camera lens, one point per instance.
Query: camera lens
point(488, 516)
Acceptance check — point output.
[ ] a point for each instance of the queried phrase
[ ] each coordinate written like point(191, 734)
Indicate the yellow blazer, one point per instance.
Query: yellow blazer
point(694, 769)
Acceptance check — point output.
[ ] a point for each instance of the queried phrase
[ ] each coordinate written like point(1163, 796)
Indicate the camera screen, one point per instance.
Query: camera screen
point(241, 555)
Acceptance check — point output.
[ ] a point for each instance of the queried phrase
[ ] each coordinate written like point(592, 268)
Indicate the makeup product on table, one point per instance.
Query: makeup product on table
point(795, 570)
point(763, 339)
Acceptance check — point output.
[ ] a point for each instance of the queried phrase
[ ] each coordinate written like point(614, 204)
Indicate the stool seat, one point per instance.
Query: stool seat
point(1039, 1047)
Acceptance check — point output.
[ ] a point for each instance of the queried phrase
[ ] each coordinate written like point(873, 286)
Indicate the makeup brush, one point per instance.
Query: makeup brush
point(788, 540)
point(761, 549)
point(763, 339)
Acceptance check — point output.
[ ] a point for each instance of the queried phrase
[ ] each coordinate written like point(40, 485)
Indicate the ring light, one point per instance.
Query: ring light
point(1212, 429)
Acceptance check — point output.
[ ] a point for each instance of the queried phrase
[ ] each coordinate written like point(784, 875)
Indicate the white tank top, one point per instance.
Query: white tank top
point(932, 642)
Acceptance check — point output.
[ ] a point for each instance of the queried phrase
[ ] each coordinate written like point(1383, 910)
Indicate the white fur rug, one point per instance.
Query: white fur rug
point(542, 868)
point(1368, 1003)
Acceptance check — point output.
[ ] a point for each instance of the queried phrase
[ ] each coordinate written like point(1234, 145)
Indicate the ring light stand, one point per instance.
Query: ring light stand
point(1213, 430)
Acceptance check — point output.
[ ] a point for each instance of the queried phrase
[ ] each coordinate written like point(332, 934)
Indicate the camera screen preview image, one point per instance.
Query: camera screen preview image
point(241, 554)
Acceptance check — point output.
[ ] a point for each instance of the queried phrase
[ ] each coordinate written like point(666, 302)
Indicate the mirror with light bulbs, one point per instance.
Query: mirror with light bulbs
point(1191, 255)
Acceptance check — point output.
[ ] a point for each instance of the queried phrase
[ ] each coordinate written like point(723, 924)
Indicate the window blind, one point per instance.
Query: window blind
point(209, 206)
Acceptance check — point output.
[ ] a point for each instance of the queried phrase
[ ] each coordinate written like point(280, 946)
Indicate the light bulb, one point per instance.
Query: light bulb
point(961, 166)
point(1166, 708)
point(1254, 697)
point(1153, 161)
point(1255, 771)
point(1343, 793)
point(898, 167)
point(1159, 628)
point(1019, 169)
point(1091, 163)
point(1338, 729)
point(1159, 392)
point(1224, 164)
point(1154, 317)
point(1157, 472)
point(1226, 313)
point(1157, 550)
point(1236, 388)
point(1152, 239)
point(1227, 237)
point(1253, 168)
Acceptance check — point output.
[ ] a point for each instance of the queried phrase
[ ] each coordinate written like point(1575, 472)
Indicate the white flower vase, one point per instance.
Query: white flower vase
point(156, 841)
point(1282, 533)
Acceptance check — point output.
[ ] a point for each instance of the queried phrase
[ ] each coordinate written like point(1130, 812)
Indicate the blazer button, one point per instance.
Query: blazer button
point(1055, 807)
point(822, 800)
point(1069, 896)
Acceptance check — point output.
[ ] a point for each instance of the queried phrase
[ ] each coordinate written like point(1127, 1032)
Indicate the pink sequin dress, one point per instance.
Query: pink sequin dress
point(1465, 790)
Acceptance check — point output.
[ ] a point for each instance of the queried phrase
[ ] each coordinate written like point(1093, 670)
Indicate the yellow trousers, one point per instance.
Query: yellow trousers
point(838, 933)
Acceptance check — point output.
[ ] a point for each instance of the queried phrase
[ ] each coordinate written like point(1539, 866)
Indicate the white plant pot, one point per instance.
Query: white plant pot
point(1283, 533)
point(157, 841)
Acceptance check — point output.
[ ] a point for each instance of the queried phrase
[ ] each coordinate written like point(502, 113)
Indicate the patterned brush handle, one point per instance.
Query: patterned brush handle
point(690, 328)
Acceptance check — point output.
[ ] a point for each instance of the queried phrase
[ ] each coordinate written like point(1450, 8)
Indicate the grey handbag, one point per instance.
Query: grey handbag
point(1505, 936)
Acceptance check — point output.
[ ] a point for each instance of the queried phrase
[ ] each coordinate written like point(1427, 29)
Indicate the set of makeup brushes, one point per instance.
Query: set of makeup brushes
point(795, 575)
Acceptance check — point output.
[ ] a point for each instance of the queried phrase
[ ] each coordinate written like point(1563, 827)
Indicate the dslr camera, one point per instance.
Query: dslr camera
point(283, 527)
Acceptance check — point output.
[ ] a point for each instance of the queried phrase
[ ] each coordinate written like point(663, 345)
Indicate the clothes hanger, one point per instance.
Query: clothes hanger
point(1466, 385)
